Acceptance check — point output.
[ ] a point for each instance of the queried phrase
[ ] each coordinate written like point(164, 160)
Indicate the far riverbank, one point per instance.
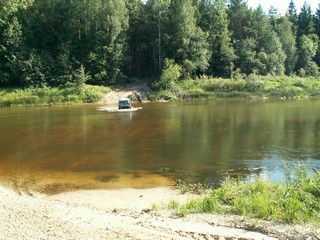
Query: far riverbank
point(252, 87)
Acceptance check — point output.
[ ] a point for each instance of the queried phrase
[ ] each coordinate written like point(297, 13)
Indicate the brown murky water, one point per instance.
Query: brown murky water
point(54, 149)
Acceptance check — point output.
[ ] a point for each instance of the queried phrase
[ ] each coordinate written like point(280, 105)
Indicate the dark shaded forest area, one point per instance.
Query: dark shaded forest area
point(102, 42)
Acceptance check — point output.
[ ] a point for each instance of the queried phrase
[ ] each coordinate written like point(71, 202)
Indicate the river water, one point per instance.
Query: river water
point(59, 148)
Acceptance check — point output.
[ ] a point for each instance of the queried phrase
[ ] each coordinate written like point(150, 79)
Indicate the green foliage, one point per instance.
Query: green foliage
point(170, 75)
point(188, 42)
point(305, 25)
point(251, 86)
point(167, 84)
point(43, 43)
point(136, 39)
point(295, 201)
point(292, 13)
point(284, 28)
point(307, 51)
point(80, 78)
point(259, 48)
point(47, 95)
point(104, 35)
point(214, 20)
point(207, 204)
point(92, 94)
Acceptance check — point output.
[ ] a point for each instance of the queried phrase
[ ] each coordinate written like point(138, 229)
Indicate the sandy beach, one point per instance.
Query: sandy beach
point(124, 214)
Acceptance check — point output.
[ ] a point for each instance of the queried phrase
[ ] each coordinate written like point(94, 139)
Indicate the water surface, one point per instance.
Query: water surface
point(54, 149)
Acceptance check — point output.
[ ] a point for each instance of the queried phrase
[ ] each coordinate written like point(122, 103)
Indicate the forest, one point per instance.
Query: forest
point(58, 43)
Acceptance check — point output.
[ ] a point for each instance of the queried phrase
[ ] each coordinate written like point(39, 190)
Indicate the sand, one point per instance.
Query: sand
point(122, 214)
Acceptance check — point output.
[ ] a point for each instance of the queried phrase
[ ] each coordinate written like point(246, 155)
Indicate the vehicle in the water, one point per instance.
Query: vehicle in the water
point(124, 103)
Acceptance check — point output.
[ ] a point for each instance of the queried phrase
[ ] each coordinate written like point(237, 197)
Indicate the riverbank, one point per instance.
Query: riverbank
point(47, 96)
point(251, 87)
point(124, 214)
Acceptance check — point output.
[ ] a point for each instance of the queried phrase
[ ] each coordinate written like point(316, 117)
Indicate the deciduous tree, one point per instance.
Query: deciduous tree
point(284, 29)
point(188, 43)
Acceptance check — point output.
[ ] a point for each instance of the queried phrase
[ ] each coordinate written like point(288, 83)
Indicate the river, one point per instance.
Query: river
point(60, 148)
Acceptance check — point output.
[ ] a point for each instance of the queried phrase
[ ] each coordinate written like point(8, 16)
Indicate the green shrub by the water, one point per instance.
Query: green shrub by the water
point(251, 86)
point(47, 95)
point(295, 201)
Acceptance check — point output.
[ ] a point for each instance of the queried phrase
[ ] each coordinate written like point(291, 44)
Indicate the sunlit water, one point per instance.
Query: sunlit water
point(53, 149)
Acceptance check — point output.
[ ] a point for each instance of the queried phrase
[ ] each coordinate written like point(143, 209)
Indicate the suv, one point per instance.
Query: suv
point(124, 103)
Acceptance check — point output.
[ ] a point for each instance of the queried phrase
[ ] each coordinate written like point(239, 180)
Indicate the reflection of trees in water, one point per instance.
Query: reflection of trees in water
point(214, 137)
point(205, 139)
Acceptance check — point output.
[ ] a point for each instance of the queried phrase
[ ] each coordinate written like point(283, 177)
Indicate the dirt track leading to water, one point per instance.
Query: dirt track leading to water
point(137, 90)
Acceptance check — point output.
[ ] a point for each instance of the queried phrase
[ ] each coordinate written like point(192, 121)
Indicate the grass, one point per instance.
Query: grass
point(252, 86)
point(10, 97)
point(196, 188)
point(296, 201)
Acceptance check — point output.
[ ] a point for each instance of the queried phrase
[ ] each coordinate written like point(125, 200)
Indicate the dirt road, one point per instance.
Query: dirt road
point(135, 90)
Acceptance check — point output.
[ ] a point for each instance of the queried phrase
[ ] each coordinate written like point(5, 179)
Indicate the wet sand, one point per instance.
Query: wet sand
point(123, 214)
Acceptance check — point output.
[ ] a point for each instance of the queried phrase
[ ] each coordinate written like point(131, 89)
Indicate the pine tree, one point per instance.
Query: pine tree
point(136, 38)
point(317, 27)
point(159, 31)
point(305, 22)
point(270, 55)
point(317, 20)
point(258, 48)
point(80, 79)
point(215, 22)
point(292, 13)
point(307, 42)
point(238, 16)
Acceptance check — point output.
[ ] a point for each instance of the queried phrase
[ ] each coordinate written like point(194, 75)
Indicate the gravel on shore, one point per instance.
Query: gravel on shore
point(82, 215)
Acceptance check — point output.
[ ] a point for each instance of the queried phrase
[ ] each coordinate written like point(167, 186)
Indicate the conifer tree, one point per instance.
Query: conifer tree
point(258, 48)
point(238, 17)
point(215, 21)
point(159, 31)
point(305, 22)
point(292, 13)
point(136, 38)
point(317, 27)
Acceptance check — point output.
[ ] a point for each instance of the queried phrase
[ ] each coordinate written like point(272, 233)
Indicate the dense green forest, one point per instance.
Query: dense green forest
point(102, 42)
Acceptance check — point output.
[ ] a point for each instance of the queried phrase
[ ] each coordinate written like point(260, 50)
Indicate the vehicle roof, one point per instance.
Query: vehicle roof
point(124, 99)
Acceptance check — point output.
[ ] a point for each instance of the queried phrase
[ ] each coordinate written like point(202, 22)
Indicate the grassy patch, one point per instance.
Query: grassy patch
point(251, 87)
point(46, 95)
point(295, 201)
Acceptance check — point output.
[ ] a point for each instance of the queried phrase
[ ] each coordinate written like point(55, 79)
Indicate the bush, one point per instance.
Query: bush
point(170, 75)
point(93, 93)
point(46, 95)
point(167, 95)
